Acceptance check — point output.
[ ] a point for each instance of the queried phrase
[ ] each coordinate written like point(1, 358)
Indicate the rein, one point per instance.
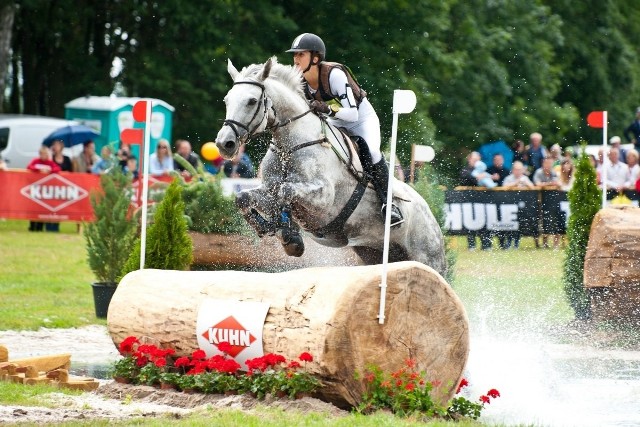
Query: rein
point(233, 124)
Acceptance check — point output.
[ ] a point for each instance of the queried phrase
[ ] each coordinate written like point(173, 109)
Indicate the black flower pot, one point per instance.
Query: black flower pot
point(102, 293)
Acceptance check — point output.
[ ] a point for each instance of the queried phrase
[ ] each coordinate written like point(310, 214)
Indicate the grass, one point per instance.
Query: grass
point(45, 281)
point(18, 394)
point(44, 278)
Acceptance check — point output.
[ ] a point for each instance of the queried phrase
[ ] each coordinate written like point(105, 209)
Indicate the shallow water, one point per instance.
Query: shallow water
point(543, 383)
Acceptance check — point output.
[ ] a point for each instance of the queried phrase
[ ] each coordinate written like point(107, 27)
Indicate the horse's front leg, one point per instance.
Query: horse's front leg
point(251, 203)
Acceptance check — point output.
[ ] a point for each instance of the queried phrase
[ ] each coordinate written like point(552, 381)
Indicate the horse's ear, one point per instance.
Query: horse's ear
point(233, 72)
point(267, 68)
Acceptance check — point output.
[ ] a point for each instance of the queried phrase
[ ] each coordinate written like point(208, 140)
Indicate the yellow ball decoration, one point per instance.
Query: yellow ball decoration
point(210, 151)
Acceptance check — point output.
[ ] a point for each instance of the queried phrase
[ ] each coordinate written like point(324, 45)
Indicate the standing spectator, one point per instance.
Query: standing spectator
point(237, 167)
point(617, 172)
point(161, 162)
point(614, 142)
point(634, 169)
point(497, 171)
point(566, 175)
point(104, 163)
point(555, 152)
point(58, 156)
point(519, 151)
point(516, 180)
point(86, 159)
point(42, 164)
point(123, 155)
point(536, 151)
point(466, 177)
point(65, 166)
point(634, 130)
point(183, 148)
point(546, 177)
point(468, 180)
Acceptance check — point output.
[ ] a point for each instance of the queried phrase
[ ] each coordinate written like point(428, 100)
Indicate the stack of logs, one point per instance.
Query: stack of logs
point(52, 370)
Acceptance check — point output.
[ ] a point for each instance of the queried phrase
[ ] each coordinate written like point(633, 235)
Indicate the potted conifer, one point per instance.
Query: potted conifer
point(111, 236)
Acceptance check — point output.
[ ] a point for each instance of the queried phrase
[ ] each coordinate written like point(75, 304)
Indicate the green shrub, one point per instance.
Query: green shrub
point(110, 238)
point(168, 244)
point(433, 193)
point(584, 203)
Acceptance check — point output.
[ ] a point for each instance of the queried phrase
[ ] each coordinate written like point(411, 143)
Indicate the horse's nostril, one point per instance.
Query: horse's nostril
point(229, 145)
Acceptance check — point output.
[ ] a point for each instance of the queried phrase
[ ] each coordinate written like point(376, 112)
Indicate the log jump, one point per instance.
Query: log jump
point(330, 312)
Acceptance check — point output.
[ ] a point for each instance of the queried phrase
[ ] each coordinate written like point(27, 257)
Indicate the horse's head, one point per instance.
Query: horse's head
point(247, 110)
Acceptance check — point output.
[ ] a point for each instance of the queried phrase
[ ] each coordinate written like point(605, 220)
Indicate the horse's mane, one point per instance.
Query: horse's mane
point(286, 74)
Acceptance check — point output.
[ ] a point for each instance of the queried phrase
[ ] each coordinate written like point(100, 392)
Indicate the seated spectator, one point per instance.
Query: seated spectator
point(634, 168)
point(617, 172)
point(546, 176)
point(183, 148)
point(519, 151)
point(594, 164)
point(86, 159)
point(42, 164)
point(555, 152)
point(566, 175)
point(161, 162)
point(497, 171)
point(517, 178)
point(480, 174)
point(536, 151)
point(105, 163)
point(238, 167)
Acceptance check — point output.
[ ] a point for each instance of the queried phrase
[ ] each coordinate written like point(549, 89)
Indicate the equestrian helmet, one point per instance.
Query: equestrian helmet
point(310, 42)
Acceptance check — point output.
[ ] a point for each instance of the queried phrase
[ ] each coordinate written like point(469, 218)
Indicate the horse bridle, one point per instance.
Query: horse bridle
point(234, 124)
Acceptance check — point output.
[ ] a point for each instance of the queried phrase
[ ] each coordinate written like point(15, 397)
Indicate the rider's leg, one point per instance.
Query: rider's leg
point(379, 175)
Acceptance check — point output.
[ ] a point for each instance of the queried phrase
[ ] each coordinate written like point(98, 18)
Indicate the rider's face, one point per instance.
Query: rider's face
point(301, 59)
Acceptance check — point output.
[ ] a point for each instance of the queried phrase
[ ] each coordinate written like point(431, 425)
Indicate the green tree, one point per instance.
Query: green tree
point(584, 203)
point(168, 244)
point(110, 238)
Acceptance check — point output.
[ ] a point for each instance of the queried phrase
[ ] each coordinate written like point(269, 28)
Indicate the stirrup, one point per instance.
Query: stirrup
point(396, 215)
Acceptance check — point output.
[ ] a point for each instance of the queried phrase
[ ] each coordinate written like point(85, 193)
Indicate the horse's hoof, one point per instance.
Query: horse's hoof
point(295, 247)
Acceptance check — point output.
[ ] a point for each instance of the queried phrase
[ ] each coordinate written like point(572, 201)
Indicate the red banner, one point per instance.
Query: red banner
point(52, 197)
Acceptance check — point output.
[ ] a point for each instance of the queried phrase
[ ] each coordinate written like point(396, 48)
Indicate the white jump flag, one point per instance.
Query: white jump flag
point(142, 113)
point(598, 119)
point(404, 101)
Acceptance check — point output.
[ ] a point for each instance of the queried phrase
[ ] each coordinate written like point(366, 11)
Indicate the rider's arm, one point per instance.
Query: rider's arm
point(340, 88)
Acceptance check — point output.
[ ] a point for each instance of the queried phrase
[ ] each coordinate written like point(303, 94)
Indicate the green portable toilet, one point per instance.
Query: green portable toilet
point(109, 115)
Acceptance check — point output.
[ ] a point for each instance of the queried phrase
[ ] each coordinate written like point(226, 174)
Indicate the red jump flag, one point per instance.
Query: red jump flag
point(595, 119)
point(132, 136)
point(140, 111)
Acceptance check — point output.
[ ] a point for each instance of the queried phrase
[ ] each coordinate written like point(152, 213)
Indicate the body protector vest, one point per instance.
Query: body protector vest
point(324, 93)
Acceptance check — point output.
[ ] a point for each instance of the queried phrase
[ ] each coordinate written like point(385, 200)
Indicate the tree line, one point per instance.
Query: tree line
point(482, 69)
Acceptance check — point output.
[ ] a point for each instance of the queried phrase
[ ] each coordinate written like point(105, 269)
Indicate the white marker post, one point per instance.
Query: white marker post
point(604, 159)
point(404, 101)
point(145, 182)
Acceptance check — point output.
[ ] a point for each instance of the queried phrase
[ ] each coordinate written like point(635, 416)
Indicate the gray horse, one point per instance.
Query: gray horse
point(312, 177)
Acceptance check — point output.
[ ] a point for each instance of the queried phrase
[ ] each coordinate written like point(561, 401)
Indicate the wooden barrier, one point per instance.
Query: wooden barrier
point(329, 312)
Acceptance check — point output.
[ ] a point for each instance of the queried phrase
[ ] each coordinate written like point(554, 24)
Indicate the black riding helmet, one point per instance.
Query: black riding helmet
point(310, 42)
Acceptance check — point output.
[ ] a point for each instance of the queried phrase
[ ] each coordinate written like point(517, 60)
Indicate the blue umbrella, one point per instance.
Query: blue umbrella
point(71, 135)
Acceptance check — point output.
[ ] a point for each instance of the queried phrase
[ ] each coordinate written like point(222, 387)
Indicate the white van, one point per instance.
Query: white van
point(21, 136)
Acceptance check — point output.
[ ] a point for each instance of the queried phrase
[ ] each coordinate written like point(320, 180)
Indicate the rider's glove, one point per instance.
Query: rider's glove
point(320, 107)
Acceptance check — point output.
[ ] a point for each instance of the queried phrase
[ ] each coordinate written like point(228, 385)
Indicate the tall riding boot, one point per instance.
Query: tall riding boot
point(380, 182)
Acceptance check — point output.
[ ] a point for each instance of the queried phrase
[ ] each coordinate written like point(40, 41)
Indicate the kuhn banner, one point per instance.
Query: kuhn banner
point(52, 197)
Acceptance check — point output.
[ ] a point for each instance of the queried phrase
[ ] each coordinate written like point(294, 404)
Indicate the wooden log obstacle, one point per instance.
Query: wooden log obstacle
point(330, 312)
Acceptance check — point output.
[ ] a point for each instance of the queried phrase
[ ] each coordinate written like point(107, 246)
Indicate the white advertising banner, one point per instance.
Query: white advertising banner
point(239, 323)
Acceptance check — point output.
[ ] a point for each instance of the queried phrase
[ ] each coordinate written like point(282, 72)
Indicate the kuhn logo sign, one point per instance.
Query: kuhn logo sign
point(238, 323)
point(231, 331)
point(54, 192)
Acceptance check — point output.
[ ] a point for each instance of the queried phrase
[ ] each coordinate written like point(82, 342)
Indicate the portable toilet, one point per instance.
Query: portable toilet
point(109, 115)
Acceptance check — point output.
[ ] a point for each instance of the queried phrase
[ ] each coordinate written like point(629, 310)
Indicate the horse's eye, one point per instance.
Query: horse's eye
point(253, 101)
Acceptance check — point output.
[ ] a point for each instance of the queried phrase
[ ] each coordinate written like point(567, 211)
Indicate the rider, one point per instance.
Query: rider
point(335, 92)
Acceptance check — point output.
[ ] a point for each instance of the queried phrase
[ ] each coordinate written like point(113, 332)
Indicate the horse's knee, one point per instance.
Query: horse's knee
point(243, 201)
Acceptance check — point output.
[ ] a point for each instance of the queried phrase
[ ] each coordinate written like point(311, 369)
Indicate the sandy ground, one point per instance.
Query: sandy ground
point(92, 350)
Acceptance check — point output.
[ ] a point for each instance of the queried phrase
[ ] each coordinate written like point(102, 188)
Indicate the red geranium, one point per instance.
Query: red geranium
point(160, 363)
point(224, 347)
point(198, 354)
point(306, 357)
point(463, 384)
point(485, 399)
point(493, 393)
point(181, 361)
point(126, 346)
